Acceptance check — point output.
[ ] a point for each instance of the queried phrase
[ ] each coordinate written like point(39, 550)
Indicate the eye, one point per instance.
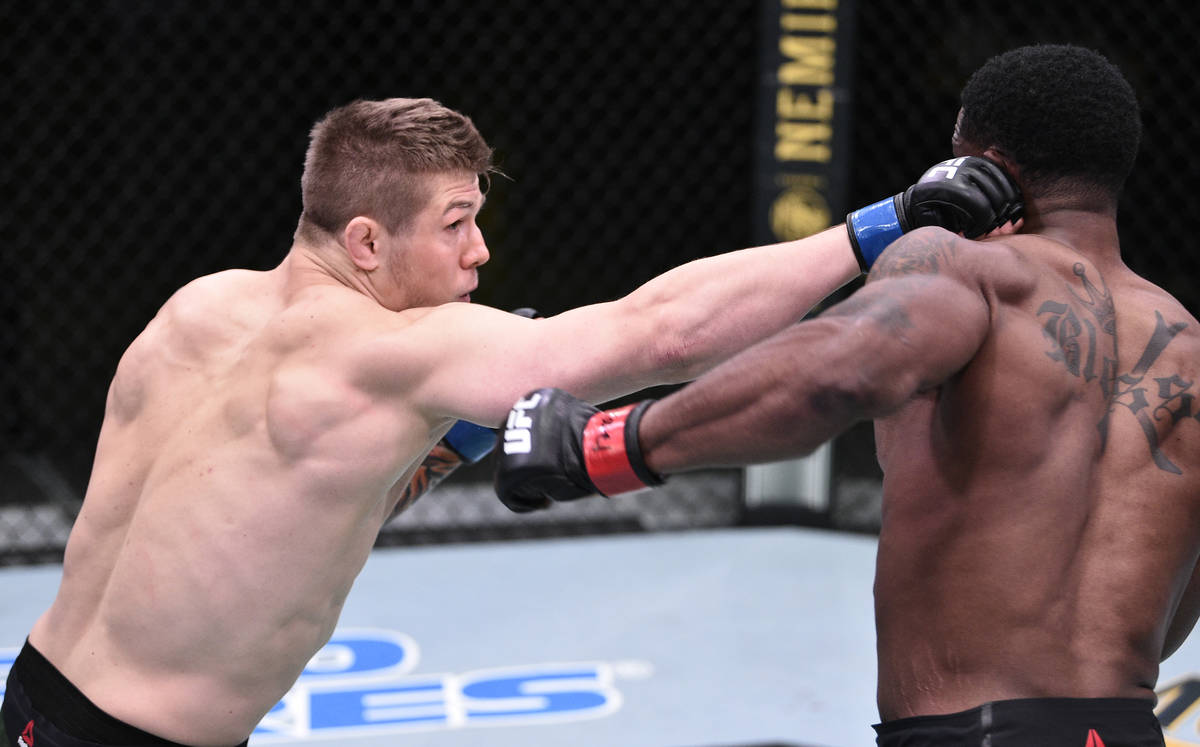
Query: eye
point(455, 225)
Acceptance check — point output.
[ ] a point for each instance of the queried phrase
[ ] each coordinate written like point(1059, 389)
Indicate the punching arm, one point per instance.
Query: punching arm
point(910, 329)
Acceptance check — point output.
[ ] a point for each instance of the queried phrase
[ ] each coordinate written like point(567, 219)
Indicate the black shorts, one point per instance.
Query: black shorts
point(1032, 722)
point(41, 703)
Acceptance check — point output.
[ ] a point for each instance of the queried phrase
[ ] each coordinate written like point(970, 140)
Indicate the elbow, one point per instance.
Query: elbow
point(679, 358)
point(681, 347)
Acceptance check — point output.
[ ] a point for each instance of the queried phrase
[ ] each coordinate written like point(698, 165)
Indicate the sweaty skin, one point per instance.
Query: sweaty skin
point(264, 426)
point(1035, 420)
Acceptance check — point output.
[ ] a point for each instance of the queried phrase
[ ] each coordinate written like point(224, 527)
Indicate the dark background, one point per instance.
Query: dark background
point(145, 143)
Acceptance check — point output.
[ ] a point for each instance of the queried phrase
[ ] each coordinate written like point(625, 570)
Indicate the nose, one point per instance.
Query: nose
point(477, 252)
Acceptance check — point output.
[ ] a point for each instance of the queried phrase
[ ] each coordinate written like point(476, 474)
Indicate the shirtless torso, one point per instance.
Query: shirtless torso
point(264, 426)
point(240, 479)
point(1042, 507)
point(1035, 419)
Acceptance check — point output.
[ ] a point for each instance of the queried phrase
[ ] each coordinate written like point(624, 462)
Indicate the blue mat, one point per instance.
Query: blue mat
point(728, 637)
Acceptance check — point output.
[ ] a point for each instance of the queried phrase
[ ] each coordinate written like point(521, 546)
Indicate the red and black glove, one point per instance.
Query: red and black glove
point(559, 448)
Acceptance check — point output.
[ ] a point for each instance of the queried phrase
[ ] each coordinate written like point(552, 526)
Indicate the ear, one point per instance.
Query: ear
point(998, 156)
point(361, 239)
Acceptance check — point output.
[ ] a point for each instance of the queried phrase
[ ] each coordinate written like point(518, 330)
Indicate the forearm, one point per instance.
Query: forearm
point(706, 310)
point(780, 399)
point(558, 447)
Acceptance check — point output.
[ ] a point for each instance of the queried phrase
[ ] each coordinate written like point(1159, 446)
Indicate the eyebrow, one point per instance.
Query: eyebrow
point(465, 205)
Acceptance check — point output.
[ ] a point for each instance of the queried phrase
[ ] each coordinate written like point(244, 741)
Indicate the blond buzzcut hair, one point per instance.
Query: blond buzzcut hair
point(369, 158)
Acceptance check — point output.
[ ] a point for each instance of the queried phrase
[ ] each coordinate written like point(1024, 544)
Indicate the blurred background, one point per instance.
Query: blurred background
point(148, 142)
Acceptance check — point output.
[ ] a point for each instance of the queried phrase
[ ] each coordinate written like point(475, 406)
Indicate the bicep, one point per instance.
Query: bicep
point(925, 305)
point(912, 332)
point(472, 362)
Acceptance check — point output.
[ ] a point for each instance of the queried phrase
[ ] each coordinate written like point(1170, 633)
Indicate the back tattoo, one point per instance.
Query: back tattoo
point(1083, 336)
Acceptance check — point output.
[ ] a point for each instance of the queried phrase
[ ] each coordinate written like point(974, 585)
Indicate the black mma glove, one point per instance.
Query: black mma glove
point(968, 195)
point(559, 448)
point(473, 442)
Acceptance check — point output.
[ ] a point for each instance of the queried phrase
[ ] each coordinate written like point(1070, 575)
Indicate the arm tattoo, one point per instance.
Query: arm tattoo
point(922, 253)
point(438, 464)
point(1083, 337)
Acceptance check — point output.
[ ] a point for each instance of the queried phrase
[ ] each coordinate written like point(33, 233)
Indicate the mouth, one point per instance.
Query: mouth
point(466, 297)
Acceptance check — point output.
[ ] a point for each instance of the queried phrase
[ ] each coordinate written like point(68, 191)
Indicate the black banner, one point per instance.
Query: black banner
point(803, 117)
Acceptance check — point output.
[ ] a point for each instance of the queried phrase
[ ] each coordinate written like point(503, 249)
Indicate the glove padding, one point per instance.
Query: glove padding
point(559, 448)
point(969, 195)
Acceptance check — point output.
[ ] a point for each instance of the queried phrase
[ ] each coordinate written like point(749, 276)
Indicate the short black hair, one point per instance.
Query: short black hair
point(1059, 111)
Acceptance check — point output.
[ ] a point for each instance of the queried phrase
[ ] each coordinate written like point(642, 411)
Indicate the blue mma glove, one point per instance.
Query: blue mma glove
point(968, 195)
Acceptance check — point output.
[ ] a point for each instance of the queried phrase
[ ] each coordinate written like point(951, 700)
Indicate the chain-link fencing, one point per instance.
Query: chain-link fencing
point(147, 142)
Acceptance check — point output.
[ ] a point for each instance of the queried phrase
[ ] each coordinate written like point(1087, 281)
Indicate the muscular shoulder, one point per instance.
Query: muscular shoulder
point(1147, 313)
point(395, 351)
point(996, 267)
point(217, 288)
point(1143, 294)
point(214, 308)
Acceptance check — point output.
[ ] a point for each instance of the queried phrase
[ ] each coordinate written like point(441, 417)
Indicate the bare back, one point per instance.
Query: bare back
point(1042, 507)
point(240, 478)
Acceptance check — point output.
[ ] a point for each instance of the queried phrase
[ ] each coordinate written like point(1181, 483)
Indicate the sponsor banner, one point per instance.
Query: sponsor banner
point(363, 683)
point(802, 138)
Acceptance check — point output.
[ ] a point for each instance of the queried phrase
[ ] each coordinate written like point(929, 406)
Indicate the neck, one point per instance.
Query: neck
point(1088, 230)
point(307, 265)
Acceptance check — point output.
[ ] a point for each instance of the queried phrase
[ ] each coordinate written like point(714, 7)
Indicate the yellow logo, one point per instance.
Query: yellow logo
point(797, 212)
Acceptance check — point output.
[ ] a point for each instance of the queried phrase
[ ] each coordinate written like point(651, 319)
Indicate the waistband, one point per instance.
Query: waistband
point(53, 697)
point(1061, 711)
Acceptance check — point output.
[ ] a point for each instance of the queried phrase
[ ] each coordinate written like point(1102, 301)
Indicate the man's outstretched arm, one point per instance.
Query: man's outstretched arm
point(909, 329)
point(674, 327)
point(918, 321)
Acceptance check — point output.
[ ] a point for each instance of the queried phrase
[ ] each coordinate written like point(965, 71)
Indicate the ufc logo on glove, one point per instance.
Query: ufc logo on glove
point(517, 439)
point(944, 170)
